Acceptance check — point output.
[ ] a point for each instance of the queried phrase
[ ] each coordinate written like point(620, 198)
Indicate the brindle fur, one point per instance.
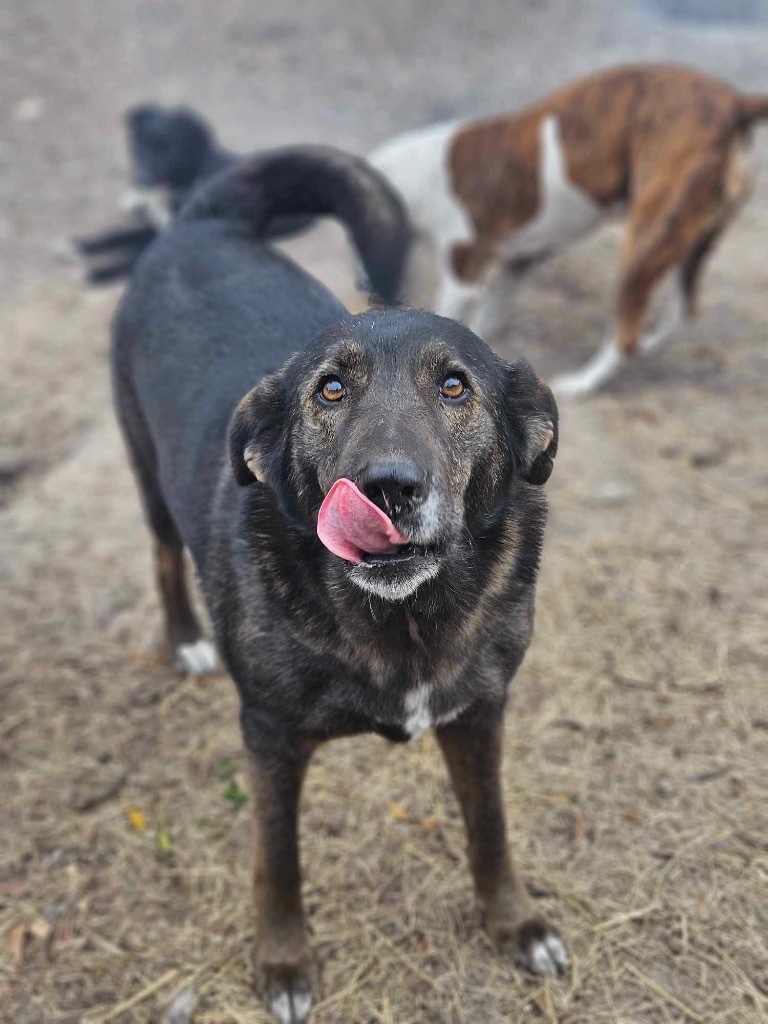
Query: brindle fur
point(665, 141)
point(209, 312)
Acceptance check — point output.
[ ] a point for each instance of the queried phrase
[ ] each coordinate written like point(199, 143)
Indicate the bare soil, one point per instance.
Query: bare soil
point(637, 739)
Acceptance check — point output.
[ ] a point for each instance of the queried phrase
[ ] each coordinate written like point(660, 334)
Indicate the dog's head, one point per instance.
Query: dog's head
point(418, 418)
point(167, 147)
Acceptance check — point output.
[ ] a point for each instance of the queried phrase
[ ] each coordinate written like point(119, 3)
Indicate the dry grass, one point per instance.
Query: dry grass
point(637, 755)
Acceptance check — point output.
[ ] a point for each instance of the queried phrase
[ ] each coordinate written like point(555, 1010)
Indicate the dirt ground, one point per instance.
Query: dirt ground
point(637, 740)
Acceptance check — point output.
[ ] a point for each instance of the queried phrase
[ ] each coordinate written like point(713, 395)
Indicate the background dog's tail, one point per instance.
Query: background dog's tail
point(314, 180)
point(751, 108)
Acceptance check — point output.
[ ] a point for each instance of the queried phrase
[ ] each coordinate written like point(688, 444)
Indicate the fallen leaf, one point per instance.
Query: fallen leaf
point(136, 819)
point(38, 928)
point(163, 844)
point(398, 813)
point(579, 829)
point(18, 941)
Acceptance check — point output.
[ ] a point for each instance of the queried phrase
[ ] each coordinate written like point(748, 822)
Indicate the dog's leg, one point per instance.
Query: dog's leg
point(665, 225)
point(499, 283)
point(693, 266)
point(186, 646)
point(455, 299)
point(472, 748)
point(601, 367)
point(671, 314)
point(611, 356)
point(739, 182)
point(282, 956)
point(190, 651)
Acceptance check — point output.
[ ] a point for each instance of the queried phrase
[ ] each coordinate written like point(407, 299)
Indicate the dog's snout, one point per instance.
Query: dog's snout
point(394, 486)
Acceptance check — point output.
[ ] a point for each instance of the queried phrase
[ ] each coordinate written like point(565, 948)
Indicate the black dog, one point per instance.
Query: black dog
point(171, 152)
point(399, 439)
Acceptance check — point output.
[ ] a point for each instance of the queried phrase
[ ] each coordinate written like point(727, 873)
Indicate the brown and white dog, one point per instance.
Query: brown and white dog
point(665, 143)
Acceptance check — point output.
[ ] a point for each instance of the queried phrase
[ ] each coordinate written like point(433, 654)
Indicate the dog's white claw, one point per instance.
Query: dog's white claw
point(290, 1007)
point(197, 659)
point(548, 958)
point(542, 952)
point(280, 1008)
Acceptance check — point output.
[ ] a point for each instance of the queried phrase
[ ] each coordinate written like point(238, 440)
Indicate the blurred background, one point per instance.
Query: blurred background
point(637, 747)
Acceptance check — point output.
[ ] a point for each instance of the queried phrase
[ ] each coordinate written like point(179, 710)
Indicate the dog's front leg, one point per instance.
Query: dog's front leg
point(472, 748)
point(282, 957)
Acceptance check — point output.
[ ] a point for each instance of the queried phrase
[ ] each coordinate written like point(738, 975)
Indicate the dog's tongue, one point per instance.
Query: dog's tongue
point(351, 526)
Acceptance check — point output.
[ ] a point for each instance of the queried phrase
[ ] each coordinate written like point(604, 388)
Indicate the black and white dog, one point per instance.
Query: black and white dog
point(171, 152)
point(361, 497)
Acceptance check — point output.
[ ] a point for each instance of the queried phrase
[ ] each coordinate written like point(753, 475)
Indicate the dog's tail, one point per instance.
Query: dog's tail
point(315, 180)
point(751, 108)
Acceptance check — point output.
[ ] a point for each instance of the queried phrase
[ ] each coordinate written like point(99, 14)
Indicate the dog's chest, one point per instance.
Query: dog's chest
point(420, 710)
point(414, 693)
point(420, 713)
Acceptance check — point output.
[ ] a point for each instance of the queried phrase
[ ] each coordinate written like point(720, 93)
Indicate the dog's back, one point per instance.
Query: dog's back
point(210, 310)
point(189, 373)
point(629, 117)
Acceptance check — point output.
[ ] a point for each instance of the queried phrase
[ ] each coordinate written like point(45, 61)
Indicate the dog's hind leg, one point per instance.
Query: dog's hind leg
point(455, 299)
point(283, 962)
point(190, 651)
point(472, 746)
point(187, 648)
point(693, 265)
point(461, 283)
point(738, 185)
point(663, 230)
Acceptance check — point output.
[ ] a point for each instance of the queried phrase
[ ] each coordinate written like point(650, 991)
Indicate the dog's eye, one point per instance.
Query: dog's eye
point(453, 387)
point(332, 390)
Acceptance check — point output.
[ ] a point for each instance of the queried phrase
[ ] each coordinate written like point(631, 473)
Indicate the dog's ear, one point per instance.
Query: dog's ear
point(258, 434)
point(532, 416)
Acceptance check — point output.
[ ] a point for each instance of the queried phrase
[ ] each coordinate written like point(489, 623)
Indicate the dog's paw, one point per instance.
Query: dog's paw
point(197, 659)
point(600, 369)
point(540, 950)
point(287, 993)
point(535, 945)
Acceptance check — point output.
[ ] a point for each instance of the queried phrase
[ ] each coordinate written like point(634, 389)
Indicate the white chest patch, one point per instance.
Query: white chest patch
point(565, 212)
point(418, 715)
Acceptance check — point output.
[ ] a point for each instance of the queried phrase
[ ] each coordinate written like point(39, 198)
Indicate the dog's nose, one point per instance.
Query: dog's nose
point(395, 487)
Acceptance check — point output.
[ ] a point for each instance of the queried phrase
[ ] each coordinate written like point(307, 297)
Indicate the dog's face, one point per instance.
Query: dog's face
point(419, 415)
point(167, 147)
